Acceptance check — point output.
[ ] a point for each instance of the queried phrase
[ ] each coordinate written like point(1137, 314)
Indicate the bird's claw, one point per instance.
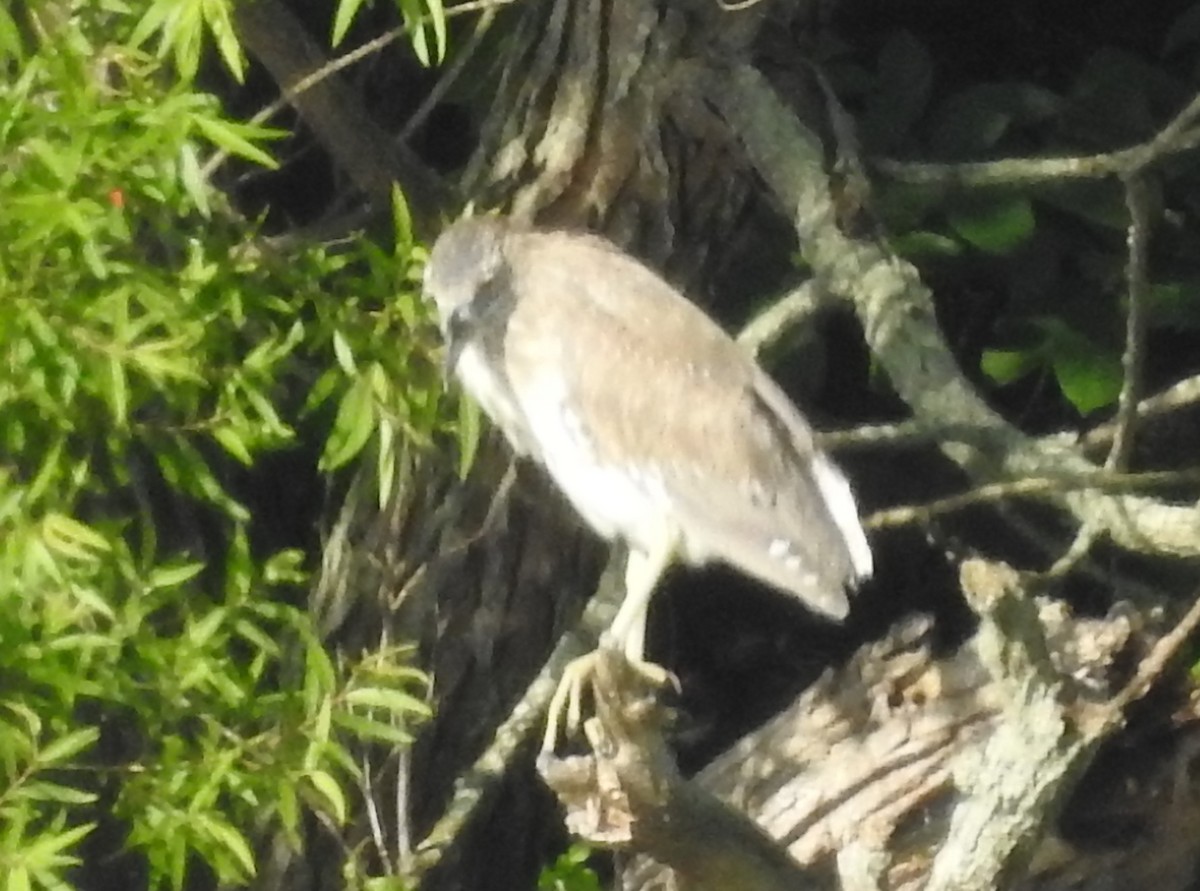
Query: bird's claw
point(567, 700)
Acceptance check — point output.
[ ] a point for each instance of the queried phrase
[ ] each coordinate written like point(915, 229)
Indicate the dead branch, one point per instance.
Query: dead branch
point(628, 794)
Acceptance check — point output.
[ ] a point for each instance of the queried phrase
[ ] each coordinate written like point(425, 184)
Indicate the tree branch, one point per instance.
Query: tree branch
point(896, 312)
point(358, 145)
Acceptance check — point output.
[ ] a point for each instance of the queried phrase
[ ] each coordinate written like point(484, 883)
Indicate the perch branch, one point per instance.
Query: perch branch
point(628, 793)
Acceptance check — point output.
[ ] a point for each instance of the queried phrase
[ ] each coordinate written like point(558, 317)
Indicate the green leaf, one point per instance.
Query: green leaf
point(71, 538)
point(331, 792)
point(68, 745)
point(420, 22)
point(395, 701)
point(42, 791)
point(1088, 374)
point(470, 431)
point(386, 463)
point(343, 18)
point(402, 228)
point(1006, 366)
point(926, 245)
point(230, 840)
point(18, 879)
point(904, 84)
point(172, 575)
point(353, 426)
point(997, 225)
point(235, 139)
point(370, 729)
point(437, 21)
point(970, 123)
point(1089, 381)
point(11, 45)
point(220, 23)
point(231, 440)
point(344, 353)
point(192, 179)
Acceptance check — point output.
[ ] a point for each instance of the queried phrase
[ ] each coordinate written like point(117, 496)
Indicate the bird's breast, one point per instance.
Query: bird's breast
point(491, 389)
point(617, 499)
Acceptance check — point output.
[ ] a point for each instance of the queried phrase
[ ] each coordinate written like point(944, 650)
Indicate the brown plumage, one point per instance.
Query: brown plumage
point(659, 428)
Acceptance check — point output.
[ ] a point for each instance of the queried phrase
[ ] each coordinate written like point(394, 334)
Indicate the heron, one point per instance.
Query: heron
point(660, 430)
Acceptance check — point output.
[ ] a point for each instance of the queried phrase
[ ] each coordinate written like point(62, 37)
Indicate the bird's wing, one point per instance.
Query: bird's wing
point(658, 388)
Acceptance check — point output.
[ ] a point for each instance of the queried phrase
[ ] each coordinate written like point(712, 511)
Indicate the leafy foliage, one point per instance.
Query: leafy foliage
point(163, 686)
point(570, 872)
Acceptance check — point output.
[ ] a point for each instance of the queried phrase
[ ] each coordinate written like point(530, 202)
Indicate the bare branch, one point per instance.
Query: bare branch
point(628, 794)
point(1181, 394)
point(792, 310)
point(1028, 487)
point(1137, 198)
point(335, 114)
point(896, 312)
point(1181, 135)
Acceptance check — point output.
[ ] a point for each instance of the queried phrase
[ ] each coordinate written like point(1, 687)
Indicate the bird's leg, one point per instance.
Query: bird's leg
point(628, 630)
point(628, 633)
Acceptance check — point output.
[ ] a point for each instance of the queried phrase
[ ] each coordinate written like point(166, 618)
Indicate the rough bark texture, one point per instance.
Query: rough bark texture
point(485, 583)
point(642, 119)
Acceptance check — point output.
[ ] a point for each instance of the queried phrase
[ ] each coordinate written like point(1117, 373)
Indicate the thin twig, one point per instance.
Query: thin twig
point(1154, 664)
point(793, 309)
point(344, 61)
point(1028, 487)
point(451, 74)
point(1180, 135)
point(377, 835)
point(1180, 394)
point(1137, 198)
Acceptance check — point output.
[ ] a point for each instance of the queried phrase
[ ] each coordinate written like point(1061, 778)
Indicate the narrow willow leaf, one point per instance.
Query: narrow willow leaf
point(68, 745)
point(329, 790)
point(395, 701)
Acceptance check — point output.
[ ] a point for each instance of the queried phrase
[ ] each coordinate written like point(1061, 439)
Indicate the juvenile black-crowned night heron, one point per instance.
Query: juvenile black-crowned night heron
point(659, 428)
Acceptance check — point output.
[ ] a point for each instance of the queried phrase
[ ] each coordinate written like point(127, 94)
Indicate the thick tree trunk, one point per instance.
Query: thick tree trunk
point(487, 574)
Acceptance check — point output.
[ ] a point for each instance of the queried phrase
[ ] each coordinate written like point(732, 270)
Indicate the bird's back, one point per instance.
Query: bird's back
point(647, 413)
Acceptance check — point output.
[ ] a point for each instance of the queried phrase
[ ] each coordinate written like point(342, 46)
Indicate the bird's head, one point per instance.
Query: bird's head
point(463, 277)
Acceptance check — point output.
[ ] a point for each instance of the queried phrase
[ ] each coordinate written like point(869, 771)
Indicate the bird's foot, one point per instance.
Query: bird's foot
point(566, 705)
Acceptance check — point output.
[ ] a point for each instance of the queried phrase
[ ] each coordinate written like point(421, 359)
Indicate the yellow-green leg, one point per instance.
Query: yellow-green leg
point(628, 633)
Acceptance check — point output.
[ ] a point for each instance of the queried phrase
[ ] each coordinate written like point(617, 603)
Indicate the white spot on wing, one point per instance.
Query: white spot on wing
point(840, 501)
point(778, 549)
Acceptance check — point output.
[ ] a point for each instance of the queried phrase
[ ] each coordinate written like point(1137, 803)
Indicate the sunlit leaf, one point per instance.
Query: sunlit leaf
point(68, 745)
point(352, 427)
point(395, 701)
point(343, 17)
point(996, 225)
point(1006, 366)
point(331, 792)
point(235, 139)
